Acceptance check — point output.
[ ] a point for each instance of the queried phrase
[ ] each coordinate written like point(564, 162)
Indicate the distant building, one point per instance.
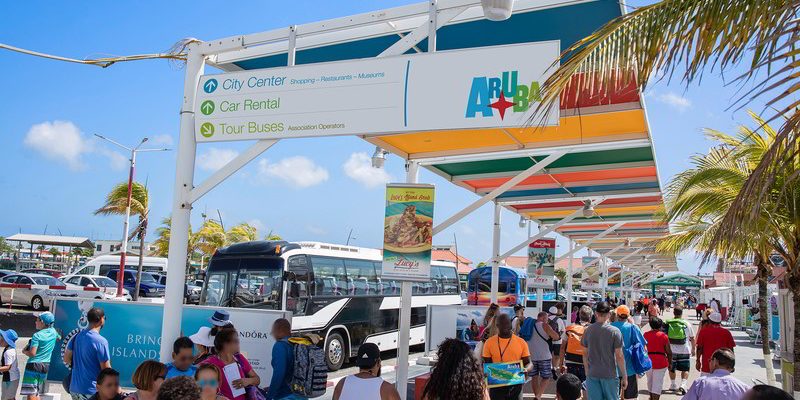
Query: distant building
point(447, 253)
point(103, 247)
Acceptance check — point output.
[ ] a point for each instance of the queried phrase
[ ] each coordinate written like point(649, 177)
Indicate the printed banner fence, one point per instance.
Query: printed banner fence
point(133, 331)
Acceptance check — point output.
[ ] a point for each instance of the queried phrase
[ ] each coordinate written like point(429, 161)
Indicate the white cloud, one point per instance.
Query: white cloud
point(164, 140)
point(60, 141)
point(676, 101)
point(297, 171)
point(215, 158)
point(316, 230)
point(117, 160)
point(359, 168)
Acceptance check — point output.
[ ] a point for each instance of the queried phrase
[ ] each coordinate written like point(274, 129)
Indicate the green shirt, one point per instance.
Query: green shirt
point(44, 341)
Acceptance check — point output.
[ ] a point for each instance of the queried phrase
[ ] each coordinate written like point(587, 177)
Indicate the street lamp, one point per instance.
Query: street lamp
point(124, 249)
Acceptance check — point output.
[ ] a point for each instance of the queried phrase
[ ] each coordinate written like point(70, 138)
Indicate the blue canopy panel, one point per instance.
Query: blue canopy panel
point(567, 24)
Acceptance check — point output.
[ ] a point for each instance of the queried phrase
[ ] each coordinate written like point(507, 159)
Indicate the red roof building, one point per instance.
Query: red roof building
point(448, 253)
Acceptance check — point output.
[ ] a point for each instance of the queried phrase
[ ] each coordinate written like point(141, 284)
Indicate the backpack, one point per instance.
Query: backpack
point(553, 322)
point(676, 331)
point(310, 374)
point(526, 330)
point(575, 350)
point(640, 359)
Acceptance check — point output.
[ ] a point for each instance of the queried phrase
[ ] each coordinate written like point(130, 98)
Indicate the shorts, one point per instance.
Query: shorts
point(577, 370)
point(632, 390)
point(9, 390)
point(505, 392)
point(602, 389)
point(34, 379)
point(543, 368)
point(78, 396)
point(680, 362)
point(655, 380)
point(555, 348)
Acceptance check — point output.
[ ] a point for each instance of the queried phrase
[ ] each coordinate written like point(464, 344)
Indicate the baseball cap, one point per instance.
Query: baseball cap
point(47, 318)
point(623, 310)
point(368, 355)
point(553, 310)
point(715, 317)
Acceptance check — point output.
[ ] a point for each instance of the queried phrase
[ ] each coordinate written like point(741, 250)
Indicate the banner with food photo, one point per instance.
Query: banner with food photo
point(504, 374)
point(541, 263)
point(590, 276)
point(614, 276)
point(407, 232)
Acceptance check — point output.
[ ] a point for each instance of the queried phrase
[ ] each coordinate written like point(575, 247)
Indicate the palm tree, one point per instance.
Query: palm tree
point(116, 204)
point(691, 37)
point(211, 236)
point(698, 198)
point(243, 232)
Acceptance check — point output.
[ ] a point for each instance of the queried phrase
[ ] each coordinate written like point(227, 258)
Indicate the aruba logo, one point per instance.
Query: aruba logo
point(487, 94)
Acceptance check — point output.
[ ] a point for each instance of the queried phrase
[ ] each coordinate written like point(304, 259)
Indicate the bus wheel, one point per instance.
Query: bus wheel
point(334, 352)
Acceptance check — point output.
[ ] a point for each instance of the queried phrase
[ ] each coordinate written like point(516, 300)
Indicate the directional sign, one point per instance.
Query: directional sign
point(489, 87)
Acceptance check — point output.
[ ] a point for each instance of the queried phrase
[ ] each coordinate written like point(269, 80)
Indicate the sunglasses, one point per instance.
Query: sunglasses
point(207, 382)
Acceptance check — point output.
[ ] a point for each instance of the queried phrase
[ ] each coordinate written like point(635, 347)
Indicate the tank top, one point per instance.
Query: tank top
point(355, 388)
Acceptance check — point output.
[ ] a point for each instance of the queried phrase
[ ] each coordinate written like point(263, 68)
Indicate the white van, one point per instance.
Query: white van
point(100, 265)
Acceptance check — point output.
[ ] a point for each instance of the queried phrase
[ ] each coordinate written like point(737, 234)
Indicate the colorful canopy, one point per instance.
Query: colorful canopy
point(609, 156)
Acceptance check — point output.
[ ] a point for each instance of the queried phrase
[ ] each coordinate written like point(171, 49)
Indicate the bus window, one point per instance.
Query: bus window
point(215, 289)
point(387, 287)
point(298, 285)
point(449, 280)
point(258, 289)
point(361, 277)
point(329, 276)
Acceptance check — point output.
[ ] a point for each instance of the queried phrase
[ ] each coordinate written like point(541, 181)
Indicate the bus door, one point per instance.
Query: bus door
point(299, 282)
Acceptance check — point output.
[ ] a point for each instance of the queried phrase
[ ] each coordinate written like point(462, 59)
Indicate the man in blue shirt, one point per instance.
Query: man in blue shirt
point(282, 362)
point(88, 354)
point(182, 357)
point(630, 332)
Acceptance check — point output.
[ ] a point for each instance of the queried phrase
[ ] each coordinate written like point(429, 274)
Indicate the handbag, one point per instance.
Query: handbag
point(251, 392)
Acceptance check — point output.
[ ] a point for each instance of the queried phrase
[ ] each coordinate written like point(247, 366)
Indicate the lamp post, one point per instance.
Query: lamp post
point(124, 249)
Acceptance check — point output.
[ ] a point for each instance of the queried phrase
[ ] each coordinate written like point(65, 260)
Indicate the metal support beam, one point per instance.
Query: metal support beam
point(608, 253)
point(495, 253)
point(570, 272)
point(498, 191)
point(404, 324)
point(633, 253)
point(234, 165)
point(421, 32)
point(600, 235)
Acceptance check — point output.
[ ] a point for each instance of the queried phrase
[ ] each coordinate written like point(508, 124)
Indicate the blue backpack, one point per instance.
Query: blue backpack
point(526, 330)
point(640, 361)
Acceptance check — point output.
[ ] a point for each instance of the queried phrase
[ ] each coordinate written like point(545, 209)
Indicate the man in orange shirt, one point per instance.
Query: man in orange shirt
point(506, 347)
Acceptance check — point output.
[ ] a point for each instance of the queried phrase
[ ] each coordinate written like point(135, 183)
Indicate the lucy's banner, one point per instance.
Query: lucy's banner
point(482, 87)
point(614, 276)
point(133, 331)
point(590, 276)
point(541, 259)
point(407, 232)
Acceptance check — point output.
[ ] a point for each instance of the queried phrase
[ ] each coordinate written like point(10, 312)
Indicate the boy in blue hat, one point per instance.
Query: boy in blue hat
point(8, 365)
point(39, 351)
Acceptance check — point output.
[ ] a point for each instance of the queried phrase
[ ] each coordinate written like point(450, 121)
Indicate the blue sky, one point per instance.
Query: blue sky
point(55, 174)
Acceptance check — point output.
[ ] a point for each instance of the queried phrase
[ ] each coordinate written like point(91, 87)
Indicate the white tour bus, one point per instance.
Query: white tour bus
point(332, 290)
point(100, 265)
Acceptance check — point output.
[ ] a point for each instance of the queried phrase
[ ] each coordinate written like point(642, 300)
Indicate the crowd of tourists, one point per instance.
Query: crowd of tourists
point(598, 356)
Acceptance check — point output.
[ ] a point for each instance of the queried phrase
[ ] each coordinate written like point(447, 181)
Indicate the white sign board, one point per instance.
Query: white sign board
point(486, 87)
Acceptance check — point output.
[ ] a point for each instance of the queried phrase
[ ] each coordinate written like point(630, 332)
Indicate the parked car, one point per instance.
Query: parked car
point(5, 272)
point(191, 292)
point(149, 287)
point(38, 299)
point(44, 271)
point(107, 287)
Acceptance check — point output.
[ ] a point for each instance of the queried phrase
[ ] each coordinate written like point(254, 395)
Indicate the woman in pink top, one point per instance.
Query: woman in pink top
point(227, 345)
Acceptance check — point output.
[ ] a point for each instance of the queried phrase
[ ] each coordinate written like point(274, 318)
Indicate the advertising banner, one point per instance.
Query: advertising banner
point(614, 280)
point(407, 232)
point(486, 87)
point(541, 259)
point(590, 276)
point(133, 331)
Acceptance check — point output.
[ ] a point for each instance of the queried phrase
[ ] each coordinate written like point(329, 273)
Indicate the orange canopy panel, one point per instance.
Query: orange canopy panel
point(579, 129)
point(623, 175)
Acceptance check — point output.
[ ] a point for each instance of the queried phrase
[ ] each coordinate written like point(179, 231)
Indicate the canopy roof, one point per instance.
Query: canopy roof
point(681, 280)
point(51, 240)
point(608, 155)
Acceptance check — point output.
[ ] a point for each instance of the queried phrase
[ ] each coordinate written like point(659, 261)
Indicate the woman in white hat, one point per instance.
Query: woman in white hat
point(203, 343)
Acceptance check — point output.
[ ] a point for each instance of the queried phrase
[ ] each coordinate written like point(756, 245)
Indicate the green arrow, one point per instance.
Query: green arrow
point(207, 107)
point(207, 129)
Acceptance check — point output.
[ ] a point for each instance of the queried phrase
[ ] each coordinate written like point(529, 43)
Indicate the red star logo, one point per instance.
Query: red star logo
point(501, 105)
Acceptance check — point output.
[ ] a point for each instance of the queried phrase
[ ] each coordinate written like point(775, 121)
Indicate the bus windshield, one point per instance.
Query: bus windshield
point(247, 282)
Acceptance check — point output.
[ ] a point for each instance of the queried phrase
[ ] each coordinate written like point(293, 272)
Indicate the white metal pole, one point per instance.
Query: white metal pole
point(604, 275)
point(570, 271)
point(125, 225)
point(181, 207)
point(495, 254)
point(404, 330)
